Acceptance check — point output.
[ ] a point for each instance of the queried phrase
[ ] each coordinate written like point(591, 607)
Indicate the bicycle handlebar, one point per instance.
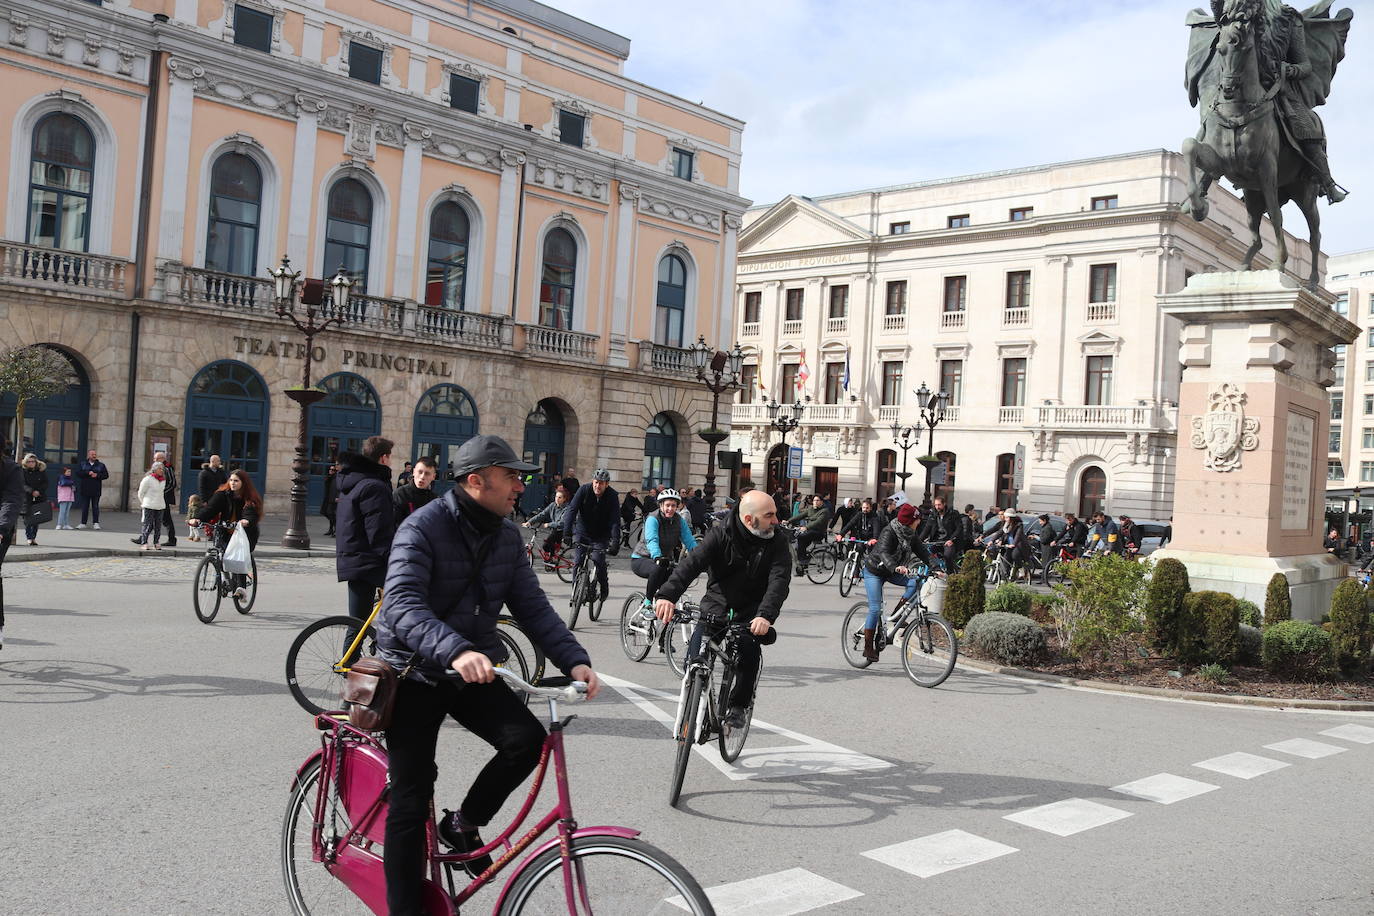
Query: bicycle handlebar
point(574, 692)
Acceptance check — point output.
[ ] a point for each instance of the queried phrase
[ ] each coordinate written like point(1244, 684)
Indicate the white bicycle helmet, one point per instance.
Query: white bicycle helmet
point(668, 493)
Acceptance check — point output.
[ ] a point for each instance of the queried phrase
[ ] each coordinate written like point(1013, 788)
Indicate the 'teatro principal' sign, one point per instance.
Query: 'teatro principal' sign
point(358, 359)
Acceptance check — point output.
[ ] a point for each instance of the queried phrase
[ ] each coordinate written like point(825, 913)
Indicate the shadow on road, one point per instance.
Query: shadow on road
point(60, 681)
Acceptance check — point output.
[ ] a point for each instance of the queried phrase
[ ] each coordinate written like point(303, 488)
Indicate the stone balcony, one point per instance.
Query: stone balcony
point(1105, 418)
point(1016, 317)
point(1101, 312)
point(851, 414)
point(953, 321)
point(555, 343)
point(662, 359)
point(73, 272)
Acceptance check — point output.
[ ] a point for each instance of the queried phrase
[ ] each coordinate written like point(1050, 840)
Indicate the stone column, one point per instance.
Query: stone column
point(507, 213)
point(1253, 421)
point(625, 238)
point(183, 76)
point(408, 209)
point(301, 199)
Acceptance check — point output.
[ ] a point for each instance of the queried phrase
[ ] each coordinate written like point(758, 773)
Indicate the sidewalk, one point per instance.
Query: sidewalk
point(118, 527)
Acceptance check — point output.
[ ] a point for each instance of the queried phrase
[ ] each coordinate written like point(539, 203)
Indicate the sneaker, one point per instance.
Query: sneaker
point(80, 526)
point(96, 526)
point(737, 716)
point(171, 542)
point(240, 594)
point(462, 841)
point(135, 540)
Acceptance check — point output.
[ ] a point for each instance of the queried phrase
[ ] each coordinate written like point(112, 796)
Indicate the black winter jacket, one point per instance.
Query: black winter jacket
point(745, 573)
point(446, 584)
point(865, 526)
point(593, 518)
point(210, 480)
point(896, 546)
point(12, 494)
point(410, 498)
point(944, 526)
point(225, 507)
point(366, 520)
point(35, 479)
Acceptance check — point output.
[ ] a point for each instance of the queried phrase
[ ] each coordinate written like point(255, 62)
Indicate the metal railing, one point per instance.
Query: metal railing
point(55, 268)
point(561, 344)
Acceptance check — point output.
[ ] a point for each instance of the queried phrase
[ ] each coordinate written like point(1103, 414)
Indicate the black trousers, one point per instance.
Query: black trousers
point(6, 539)
point(362, 597)
point(654, 572)
point(804, 542)
point(750, 657)
point(491, 712)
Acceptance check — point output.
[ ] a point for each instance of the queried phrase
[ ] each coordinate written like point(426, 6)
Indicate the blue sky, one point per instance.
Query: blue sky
point(839, 96)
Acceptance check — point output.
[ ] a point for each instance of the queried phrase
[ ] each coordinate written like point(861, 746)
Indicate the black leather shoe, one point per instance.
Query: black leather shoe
point(737, 716)
point(462, 841)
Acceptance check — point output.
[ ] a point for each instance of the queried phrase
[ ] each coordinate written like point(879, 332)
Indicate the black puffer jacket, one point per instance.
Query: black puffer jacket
point(410, 498)
point(224, 506)
point(592, 517)
point(866, 526)
point(12, 494)
point(898, 545)
point(366, 520)
point(745, 573)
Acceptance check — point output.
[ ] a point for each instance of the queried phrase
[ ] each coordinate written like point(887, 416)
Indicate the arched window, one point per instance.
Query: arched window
point(1092, 491)
point(558, 280)
point(235, 204)
point(348, 231)
point(60, 172)
point(1005, 484)
point(672, 301)
point(886, 483)
point(447, 272)
point(944, 490)
point(660, 451)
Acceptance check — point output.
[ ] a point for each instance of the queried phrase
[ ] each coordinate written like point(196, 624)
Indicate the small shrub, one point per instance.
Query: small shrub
point(1350, 633)
point(1278, 604)
point(1251, 645)
point(1218, 618)
point(1009, 598)
point(1164, 603)
point(1011, 639)
point(964, 592)
point(1297, 649)
point(1101, 609)
point(1249, 612)
point(1214, 673)
point(1043, 608)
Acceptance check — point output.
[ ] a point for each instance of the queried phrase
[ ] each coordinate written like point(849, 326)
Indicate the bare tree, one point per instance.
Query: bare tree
point(32, 373)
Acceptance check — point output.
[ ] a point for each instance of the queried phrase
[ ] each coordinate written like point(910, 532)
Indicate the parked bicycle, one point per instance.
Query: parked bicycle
point(559, 561)
point(586, 592)
point(212, 584)
point(322, 654)
point(703, 704)
point(929, 646)
point(640, 631)
point(336, 820)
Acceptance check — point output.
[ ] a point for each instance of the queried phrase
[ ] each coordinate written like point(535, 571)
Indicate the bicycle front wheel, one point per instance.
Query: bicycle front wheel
point(207, 594)
point(676, 638)
point(527, 658)
point(636, 632)
point(563, 566)
point(730, 740)
point(849, 575)
point(612, 875)
point(315, 663)
point(929, 650)
point(251, 587)
point(579, 595)
point(820, 566)
point(852, 635)
point(310, 889)
point(685, 733)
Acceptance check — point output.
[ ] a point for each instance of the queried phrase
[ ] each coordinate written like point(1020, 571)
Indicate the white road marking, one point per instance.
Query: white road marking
point(1306, 747)
point(1241, 765)
point(1166, 788)
point(804, 757)
point(793, 891)
point(1065, 818)
point(1360, 734)
point(940, 852)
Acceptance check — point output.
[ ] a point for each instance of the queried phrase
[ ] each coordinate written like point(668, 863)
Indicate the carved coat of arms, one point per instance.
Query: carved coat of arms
point(1224, 430)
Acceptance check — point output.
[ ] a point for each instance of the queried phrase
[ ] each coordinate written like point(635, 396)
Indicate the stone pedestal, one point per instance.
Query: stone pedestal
point(1254, 418)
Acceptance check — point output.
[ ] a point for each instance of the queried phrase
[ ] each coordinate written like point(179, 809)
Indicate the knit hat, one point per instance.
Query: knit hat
point(906, 514)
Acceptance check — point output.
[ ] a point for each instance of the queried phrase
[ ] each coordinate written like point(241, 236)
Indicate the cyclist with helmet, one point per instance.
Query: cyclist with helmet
point(594, 518)
point(665, 530)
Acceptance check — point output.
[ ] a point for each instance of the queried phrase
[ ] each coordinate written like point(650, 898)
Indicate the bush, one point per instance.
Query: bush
point(1251, 645)
point(1278, 604)
point(1297, 649)
point(1011, 639)
point(1101, 609)
point(1214, 673)
point(1249, 612)
point(1043, 608)
point(1350, 634)
point(1217, 617)
point(1164, 603)
point(964, 591)
point(1009, 598)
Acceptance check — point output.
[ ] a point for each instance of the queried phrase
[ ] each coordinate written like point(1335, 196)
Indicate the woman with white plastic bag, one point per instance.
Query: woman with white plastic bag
point(237, 502)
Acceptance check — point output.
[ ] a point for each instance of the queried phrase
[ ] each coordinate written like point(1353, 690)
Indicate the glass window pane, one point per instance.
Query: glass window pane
point(252, 29)
point(364, 63)
point(65, 140)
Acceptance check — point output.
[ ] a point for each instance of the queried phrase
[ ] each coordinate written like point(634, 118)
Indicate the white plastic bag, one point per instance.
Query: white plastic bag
point(238, 558)
point(933, 596)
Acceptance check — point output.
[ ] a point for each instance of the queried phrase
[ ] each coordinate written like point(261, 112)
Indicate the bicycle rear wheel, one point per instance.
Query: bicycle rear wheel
point(852, 635)
point(563, 566)
point(310, 889)
point(675, 643)
point(206, 590)
point(246, 605)
point(849, 575)
point(314, 654)
point(613, 875)
point(636, 632)
point(820, 566)
point(730, 740)
point(929, 650)
point(579, 597)
point(685, 732)
point(596, 602)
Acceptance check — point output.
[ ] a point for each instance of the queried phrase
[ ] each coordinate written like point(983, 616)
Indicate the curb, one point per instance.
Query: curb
point(173, 553)
point(1169, 693)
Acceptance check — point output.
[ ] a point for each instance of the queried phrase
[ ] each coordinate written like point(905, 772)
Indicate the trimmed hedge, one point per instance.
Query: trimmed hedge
point(1164, 604)
point(1297, 649)
point(1011, 639)
point(1278, 604)
point(1249, 613)
point(1350, 634)
point(964, 593)
point(1251, 645)
point(1220, 615)
point(1009, 598)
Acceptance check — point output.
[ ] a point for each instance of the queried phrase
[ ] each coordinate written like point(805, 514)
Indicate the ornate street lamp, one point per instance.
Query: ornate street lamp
point(311, 294)
point(931, 405)
point(902, 438)
point(785, 424)
point(719, 371)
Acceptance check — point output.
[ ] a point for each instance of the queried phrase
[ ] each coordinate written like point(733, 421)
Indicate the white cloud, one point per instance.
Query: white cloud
point(839, 96)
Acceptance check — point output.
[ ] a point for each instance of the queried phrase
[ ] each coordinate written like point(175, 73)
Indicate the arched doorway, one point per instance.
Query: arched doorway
point(776, 464)
point(226, 415)
point(544, 437)
point(445, 418)
point(660, 452)
point(1092, 491)
point(349, 413)
point(55, 427)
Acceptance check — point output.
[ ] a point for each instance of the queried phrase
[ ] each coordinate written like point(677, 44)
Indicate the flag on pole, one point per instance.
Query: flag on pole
point(845, 380)
point(758, 378)
point(803, 373)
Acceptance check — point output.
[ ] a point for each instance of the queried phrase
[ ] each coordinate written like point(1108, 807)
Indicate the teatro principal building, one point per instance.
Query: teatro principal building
point(531, 238)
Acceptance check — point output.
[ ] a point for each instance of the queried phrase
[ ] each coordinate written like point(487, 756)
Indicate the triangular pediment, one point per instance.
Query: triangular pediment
point(795, 222)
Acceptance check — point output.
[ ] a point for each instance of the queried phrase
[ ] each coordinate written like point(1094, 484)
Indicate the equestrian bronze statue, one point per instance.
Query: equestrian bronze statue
point(1259, 69)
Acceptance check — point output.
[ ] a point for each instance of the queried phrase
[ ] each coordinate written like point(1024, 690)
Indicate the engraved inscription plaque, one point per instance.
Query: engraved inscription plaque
point(1297, 471)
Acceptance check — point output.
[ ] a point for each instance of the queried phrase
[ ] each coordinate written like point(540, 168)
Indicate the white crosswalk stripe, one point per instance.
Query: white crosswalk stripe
point(938, 853)
point(1241, 765)
point(1166, 788)
point(1360, 734)
point(1065, 818)
point(1306, 747)
point(782, 894)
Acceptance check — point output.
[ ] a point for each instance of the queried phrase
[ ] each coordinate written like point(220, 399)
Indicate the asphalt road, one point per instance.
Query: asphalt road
point(146, 759)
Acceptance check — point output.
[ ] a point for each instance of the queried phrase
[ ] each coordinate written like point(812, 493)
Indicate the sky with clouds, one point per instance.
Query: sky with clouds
point(851, 94)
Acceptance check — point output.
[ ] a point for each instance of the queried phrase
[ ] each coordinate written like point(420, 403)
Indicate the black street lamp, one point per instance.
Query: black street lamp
point(932, 407)
point(719, 371)
point(312, 294)
point(902, 438)
point(784, 425)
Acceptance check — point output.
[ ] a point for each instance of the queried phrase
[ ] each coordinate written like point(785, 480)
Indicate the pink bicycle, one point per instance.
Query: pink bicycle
point(335, 824)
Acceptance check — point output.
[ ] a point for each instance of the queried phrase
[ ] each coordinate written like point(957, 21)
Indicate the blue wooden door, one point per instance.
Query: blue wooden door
point(226, 415)
point(445, 418)
point(544, 437)
point(348, 415)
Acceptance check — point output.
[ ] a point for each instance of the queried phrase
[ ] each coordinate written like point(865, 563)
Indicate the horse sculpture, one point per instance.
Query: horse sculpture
point(1244, 137)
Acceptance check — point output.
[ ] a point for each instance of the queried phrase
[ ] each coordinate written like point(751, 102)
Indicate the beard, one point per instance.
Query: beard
point(759, 533)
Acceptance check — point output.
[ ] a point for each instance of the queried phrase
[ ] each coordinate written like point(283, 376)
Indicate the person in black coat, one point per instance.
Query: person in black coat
point(892, 560)
point(695, 507)
point(329, 502)
point(35, 492)
point(91, 477)
point(11, 504)
point(212, 477)
point(418, 493)
point(237, 502)
point(366, 523)
point(945, 526)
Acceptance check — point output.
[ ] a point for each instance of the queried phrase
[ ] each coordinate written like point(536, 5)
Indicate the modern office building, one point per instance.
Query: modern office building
point(1350, 460)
